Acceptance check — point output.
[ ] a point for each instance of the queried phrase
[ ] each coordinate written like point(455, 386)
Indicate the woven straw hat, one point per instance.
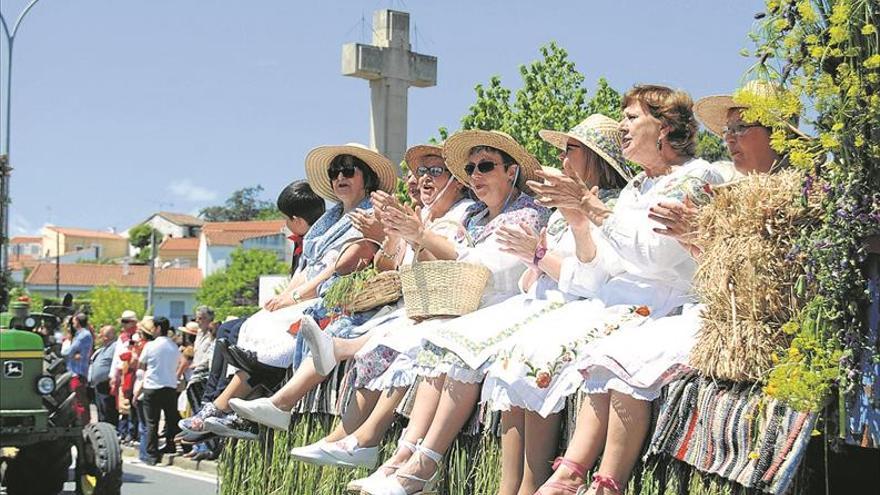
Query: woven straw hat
point(191, 328)
point(318, 161)
point(600, 134)
point(712, 110)
point(457, 148)
point(412, 155)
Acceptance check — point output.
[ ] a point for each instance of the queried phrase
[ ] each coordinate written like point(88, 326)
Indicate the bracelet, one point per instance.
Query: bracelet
point(296, 297)
point(392, 256)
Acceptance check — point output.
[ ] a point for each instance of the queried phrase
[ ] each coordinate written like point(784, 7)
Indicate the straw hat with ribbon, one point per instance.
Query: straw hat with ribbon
point(148, 326)
point(600, 134)
point(318, 161)
point(191, 328)
point(712, 110)
point(457, 149)
point(415, 153)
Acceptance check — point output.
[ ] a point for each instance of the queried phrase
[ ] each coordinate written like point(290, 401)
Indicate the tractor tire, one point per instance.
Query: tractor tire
point(39, 469)
point(54, 364)
point(99, 465)
point(60, 403)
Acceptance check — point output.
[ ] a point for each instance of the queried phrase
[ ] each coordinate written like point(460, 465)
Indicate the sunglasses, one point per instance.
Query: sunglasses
point(435, 171)
point(484, 167)
point(737, 129)
point(347, 171)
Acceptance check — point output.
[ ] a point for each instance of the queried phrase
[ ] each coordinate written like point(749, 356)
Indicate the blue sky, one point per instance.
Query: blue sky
point(122, 108)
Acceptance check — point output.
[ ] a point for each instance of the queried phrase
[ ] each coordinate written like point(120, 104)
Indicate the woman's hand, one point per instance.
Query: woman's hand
point(368, 223)
point(405, 223)
point(521, 241)
point(382, 201)
point(678, 220)
point(574, 200)
point(280, 301)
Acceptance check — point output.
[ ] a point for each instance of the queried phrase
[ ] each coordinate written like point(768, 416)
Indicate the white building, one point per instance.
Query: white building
point(175, 225)
point(220, 239)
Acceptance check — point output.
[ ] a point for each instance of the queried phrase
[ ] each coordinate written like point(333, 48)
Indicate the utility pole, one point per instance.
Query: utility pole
point(5, 158)
point(57, 265)
point(152, 281)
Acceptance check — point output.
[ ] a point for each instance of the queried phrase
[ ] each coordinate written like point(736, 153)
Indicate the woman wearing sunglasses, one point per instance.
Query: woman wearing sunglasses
point(344, 175)
point(495, 167)
point(444, 204)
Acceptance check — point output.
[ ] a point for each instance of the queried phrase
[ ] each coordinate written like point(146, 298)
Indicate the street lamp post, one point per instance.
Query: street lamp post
point(5, 157)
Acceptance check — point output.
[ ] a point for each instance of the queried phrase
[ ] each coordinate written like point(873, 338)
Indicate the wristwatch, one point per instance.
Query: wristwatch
point(540, 252)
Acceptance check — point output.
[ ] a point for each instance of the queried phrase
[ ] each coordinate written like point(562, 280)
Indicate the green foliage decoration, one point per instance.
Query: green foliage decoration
point(826, 53)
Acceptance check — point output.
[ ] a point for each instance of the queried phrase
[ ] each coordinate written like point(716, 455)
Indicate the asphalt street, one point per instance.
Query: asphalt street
point(139, 479)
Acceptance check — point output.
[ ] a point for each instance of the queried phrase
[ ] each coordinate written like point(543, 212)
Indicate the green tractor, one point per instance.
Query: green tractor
point(38, 425)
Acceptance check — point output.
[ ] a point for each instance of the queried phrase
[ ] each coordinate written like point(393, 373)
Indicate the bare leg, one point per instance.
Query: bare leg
point(237, 388)
point(373, 429)
point(304, 379)
point(512, 450)
point(356, 412)
point(541, 440)
point(456, 405)
point(425, 406)
point(345, 349)
point(628, 422)
point(587, 441)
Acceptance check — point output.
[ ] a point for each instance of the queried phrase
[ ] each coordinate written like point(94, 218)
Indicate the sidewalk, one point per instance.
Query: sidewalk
point(176, 460)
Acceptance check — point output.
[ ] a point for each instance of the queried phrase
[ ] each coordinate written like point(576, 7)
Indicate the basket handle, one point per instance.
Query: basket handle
point(352, 242)
point(445, 221)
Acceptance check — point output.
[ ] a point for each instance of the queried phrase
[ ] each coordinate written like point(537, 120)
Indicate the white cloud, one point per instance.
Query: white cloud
point(186, 190)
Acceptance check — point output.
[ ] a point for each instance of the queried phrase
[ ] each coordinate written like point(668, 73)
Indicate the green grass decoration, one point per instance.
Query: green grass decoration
point(341, 293)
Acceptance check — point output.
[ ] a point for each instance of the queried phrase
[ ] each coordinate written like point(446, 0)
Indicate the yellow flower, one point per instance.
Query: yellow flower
point(828, 141)
point(872, 62)
point(869, 29)
point(753, 455)
point(805, 9)
point(838, 34)
point(859, 141)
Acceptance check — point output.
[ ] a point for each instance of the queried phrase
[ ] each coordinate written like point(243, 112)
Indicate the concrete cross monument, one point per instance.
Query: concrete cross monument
point(391, 67)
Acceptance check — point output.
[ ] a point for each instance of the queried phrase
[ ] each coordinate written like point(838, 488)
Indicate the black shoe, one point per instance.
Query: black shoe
point(189, 437)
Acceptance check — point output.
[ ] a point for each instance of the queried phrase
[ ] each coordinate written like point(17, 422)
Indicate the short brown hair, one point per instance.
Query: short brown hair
point(674, 108)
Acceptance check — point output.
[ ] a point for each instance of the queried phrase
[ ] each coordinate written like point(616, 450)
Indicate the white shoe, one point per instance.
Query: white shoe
point(344, 453)
point(377, 478)
point(391, 485)
point(261, 411)
point(320, 344)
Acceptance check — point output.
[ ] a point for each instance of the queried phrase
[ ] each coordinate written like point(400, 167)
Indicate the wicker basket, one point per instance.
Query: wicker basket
point(442, 288)
point(380, 290)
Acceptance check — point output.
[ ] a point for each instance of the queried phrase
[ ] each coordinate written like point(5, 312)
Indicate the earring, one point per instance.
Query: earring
point(659, 144)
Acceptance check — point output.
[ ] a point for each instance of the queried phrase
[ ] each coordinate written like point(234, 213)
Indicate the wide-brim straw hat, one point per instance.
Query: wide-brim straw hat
point(599, 133)
point(148, 326)
point(457, 148)
point(191, 328)
point(318, 161)
point(412, 155)
point(712, 110)
point(128, 315)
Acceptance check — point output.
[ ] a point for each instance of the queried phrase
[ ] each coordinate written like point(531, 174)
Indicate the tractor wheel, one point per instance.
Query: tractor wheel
point(99, 464)
point(39, 469)
point(60, 403)
point(54, 364)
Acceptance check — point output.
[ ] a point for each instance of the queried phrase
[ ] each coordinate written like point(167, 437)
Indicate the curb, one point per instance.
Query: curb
point(177, 461)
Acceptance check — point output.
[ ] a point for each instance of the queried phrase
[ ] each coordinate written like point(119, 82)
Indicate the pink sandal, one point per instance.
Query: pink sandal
point(577, 468)
point(600, 481)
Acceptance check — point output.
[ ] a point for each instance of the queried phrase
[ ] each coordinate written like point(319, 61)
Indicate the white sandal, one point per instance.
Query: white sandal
point(356, 486)
point(390, 485)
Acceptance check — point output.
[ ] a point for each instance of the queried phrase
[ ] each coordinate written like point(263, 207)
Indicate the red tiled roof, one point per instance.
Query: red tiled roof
point(179, 244)
point(232, 233)
point(90, 275)
point(22, 239)
point(21, 261)
point(86, 233)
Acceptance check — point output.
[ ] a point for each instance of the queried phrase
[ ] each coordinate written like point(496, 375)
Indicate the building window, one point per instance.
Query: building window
point(177, 310)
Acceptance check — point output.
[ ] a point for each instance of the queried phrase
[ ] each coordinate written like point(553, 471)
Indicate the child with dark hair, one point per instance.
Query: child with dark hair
point(301, 208)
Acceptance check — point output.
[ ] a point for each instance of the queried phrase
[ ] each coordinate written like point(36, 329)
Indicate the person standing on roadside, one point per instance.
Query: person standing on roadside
point(99, 376)
point(121, 372)
point(159, 361)
point(77, 357)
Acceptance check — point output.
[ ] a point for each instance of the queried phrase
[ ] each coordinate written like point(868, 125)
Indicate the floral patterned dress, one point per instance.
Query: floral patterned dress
point(636, 277)
point(391, 360)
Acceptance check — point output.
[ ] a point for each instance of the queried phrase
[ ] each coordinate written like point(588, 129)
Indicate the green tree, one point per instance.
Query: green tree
point(244, 204)
point(139, 237)
point(109, 301)
point(711, 147)
point(238, 284)
point(552, 96)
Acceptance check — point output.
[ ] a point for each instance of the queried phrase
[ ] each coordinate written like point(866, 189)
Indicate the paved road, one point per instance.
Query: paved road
point(167, 480)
